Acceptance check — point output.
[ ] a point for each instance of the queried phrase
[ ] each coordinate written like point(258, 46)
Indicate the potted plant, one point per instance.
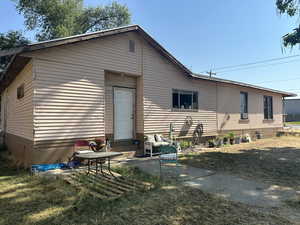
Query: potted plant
point(237, 140)
point(231, 138)
point(219, 141)
point(225, 140)
point(258, 135)
point(211, 143)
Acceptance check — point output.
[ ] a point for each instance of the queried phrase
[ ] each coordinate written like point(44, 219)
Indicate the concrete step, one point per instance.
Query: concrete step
point(124, 148)
point(122, 143)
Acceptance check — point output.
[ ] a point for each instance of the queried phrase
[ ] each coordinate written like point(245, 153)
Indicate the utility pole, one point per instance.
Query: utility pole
point(210, 73)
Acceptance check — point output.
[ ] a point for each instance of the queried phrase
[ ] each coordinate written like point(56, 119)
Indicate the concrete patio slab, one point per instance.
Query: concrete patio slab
point(228, 186)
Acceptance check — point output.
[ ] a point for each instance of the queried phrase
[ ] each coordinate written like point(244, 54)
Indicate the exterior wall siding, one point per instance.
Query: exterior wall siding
point(75, 77)
point(69, 97)
point(69, 101)
point(19, 112)
point(159, 78)
point(229, 109)
point(17, 117)
point(3, 110)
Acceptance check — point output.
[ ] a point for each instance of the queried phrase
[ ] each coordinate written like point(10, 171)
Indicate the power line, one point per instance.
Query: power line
point(256, 62)
point(274, 81)
point(258, 66)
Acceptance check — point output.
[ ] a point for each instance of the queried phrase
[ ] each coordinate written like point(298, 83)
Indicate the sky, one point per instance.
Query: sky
point(210, 34)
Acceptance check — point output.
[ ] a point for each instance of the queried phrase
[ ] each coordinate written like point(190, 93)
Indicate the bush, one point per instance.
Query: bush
point(211, 143)
point(185, 144)
point(231, 135)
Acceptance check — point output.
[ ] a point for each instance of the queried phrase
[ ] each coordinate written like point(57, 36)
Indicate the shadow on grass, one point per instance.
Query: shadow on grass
point(37, 200)
point(280, 166)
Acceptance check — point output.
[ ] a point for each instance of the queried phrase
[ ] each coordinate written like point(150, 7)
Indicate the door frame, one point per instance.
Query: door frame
point(133, 90)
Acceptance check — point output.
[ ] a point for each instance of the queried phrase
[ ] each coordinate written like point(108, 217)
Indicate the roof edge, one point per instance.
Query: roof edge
point(221, 80)
point(146, 36)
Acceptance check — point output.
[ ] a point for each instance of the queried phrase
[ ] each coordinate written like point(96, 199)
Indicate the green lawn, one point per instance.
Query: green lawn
point(37, 200)
point(293, 123)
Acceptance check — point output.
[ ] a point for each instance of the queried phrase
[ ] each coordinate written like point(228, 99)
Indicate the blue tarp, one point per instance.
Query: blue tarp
point(45, 167)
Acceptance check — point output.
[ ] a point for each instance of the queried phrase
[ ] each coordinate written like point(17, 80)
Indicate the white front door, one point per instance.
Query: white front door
point(123, 113)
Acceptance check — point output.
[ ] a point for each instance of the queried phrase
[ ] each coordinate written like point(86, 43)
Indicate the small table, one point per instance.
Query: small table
point(97, 156)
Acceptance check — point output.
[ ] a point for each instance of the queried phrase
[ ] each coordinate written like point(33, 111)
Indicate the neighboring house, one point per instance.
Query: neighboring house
point(292, 109)
point(118, 84)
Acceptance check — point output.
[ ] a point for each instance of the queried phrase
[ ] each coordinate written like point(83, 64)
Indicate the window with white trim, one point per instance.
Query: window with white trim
point(184, 99)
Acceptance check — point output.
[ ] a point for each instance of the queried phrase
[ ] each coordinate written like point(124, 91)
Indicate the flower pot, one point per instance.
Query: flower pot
point(211, 144)
point(225, 140)
point(237, 140)
point(231, 140)
point(219, 142)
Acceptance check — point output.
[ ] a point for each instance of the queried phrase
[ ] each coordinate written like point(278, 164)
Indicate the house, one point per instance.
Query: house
point(292, 109)
point(118, 84)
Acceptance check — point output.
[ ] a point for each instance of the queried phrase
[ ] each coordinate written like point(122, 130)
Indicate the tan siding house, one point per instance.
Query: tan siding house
point(117, 84)
point(229, 109)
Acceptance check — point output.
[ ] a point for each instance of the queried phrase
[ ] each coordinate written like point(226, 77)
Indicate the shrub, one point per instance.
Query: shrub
point(211, 143)
point(185, 144)
point(231, 135)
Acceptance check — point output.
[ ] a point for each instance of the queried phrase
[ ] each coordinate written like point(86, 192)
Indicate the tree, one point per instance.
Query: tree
point(61, 18)
point(11, 39)
point(291, 8)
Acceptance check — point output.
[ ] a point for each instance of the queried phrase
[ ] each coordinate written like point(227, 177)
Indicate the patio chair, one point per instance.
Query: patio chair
point(154, 141)
point(152, 144)
point(169, 154)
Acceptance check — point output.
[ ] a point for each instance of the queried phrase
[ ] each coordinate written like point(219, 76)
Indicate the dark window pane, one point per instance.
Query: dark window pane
point(195, 100)
point(20, 91)
point(131, 46)
point(268, 107)
point(271, 107)
point(265, 107)
point(244, 105)
point(175, 100)
point(185, 101)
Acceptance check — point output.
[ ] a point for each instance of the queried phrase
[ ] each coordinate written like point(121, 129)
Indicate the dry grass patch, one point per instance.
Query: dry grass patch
point(40, 201)
point(275, 160)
